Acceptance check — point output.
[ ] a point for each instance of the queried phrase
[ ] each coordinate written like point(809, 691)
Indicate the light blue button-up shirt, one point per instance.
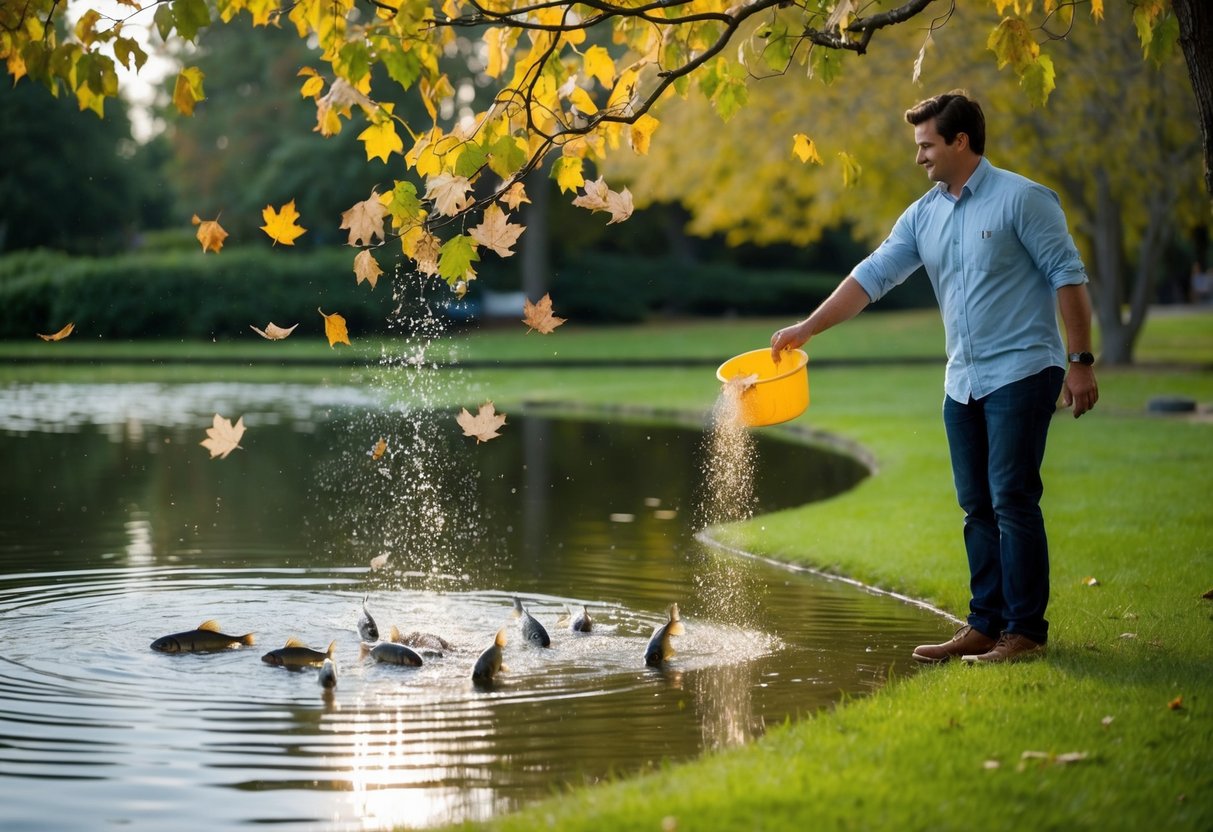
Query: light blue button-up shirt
point(996, 257)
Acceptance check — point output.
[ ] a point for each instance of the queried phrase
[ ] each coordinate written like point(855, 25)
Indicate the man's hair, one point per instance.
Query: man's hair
point(954, 112)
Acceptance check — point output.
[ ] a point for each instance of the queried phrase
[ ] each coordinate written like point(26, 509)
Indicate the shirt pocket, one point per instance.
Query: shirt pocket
point(995, 250)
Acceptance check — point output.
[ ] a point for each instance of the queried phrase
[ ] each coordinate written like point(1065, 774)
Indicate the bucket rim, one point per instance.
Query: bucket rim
point(802, 360)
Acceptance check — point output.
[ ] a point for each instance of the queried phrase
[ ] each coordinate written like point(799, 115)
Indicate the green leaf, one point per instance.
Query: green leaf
point(403, 67)
point(165, 21)
point(506, 157)
point(128, 49)
point(710, 79)
point(1012, 43)
point(354, 61)
point(455, 258)
point(191, 15)
point(1166, 37)
point(1038, 80)
point(825, 64)
point(777, 53)
point(731, 97)
point(405, 205)
point(471, 159)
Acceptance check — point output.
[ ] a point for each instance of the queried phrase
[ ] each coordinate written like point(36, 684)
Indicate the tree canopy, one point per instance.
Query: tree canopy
point(573, 82)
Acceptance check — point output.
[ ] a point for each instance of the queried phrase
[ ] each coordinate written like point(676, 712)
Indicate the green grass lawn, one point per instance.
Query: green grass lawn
point(1129, 502)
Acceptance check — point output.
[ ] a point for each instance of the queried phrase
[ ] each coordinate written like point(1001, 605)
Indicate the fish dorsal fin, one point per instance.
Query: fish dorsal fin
point(503, 668)
point(518, 610)
point(332, 646)
point(673, 612)
point(394, 635)
point(210, 624)
point(676, 628)
point(500, 639)
point(294, 642)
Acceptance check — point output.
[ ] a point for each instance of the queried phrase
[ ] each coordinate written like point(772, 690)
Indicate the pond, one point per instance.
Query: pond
point(118, 529)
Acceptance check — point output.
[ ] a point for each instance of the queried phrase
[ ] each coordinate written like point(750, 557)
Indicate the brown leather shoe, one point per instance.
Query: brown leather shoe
point(1011, 647)
point(967, 642)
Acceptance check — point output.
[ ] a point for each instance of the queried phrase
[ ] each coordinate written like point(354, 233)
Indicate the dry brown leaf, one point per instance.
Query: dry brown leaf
point(379, 449)
point(449, 193)
point(1177, 703)
point(210, 233)
point(425, 253)
point(222, 437)
point(496, 232)
point(60, 335)
point(539, 317)
point(1089, 581)
point(273, 332)
point(595, 196)
point(1048, 758)
point(620, 205)
point(483, 425)
point(334, 329)
point(364, 221)
point(515, 196)
point(366, 267)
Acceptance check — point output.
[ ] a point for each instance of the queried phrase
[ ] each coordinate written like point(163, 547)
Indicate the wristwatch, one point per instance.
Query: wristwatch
point(1081, 358)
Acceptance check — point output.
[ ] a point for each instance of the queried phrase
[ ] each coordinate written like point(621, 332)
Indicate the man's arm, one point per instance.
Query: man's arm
point(1080, 389)
point(844, 303)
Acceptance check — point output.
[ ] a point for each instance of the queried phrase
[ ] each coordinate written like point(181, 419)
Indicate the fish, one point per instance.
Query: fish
point(659, 648)
point(327, 675)
point(391, 652)
point(425, 643)
point(367, 629)
point(296, 654)
point(207, 638)
point(532, 630)
point(489, 664)
point(580, 622)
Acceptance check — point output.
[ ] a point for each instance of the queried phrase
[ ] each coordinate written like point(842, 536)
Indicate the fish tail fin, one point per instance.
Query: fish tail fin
point(246, 639)
point(518, 610)
point(394, 635)
point(500, 639)
point(363, 649)
point(676, 629)
point(332, 646)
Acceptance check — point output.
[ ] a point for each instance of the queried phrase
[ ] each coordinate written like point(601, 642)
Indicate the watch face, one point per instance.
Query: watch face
point(1082, 358)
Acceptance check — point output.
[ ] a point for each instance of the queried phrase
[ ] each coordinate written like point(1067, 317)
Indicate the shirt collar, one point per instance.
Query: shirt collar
point(979, 175)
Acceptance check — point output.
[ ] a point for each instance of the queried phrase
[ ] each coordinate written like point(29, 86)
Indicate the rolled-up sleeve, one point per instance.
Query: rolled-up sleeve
point(893, 261)
point(1045, 235)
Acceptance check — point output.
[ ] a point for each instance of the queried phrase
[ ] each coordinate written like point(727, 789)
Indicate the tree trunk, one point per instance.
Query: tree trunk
point(1107, 243)
point(1196, 39)
point(536, 242)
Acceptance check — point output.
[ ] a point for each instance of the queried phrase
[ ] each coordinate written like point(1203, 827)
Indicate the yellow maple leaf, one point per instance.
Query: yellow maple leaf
point(364, 220)
point(380, 448)
point(805, 149)
point(273, 332)
point(567, 172)
point(366, 267)
point(334, 329)
point(222, 437)
point(641, 132)
point(580, 99)
point(598, 64)
point(515, 196)
point(496, 232)
point(448, 192)
point(483, 425)
point(313, 85)
point(851, 169)
point(60, 335)
point(280, 226)
point(381, 140)
point(539, 317)
point(210, 233)
point(187, 92)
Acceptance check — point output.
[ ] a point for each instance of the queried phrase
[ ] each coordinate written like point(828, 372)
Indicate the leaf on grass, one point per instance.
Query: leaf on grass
point(380, 448)
point(364, 220)
point(60, 335)
point(1106, 721)
point(483, 425)
point(222, 437)
point(496, 232)
point(1048, 758)
point(539, 317)
point(366, 267)
point(280, 225)
point(1089, 581)
point(1177, 703)
point(273, 332)
point(210, 234)
point(334, 329)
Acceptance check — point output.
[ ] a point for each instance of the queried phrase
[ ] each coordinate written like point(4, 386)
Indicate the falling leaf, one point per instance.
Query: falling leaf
point(539, 317)
point(379, 449)
point(515, 196)
point(334, 329)
point(496, 232)
point(366, 267)
point(483, 425)
point(805, 149)
point(273, 332)
point(595, 196)
point(280, 226)
point(364, 220)
point(379, 561)
point(60, 335)
point(448, 192)
point(620, 205)
point(1089, 581)
point(222, 437)
point(187, 91)
point(210, 233)
point(1177, 703)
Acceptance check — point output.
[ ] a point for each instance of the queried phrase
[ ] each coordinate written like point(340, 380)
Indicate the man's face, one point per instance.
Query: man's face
point(942, 161)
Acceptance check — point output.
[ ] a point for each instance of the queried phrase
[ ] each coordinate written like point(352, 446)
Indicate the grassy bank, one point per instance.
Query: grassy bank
point(1127, 501)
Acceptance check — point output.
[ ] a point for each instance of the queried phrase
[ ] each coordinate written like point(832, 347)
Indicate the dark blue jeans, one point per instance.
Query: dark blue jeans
point(997, 445)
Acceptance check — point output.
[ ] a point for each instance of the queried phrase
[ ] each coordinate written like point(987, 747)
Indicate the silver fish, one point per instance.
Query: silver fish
point(580, 622)
point(659, 648)
point(532, 630)
point(205, 639)
point(390, 652)
point(367, 629)
point(327, 675)
point(489, 664)
point(295, 654)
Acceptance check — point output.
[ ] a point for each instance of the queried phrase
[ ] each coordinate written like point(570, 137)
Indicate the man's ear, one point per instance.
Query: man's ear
point(961, 141)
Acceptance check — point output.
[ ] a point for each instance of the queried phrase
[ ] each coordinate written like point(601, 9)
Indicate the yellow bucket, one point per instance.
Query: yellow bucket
point(781, 391)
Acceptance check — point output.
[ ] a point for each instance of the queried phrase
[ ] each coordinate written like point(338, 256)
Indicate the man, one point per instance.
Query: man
point(997, 251)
